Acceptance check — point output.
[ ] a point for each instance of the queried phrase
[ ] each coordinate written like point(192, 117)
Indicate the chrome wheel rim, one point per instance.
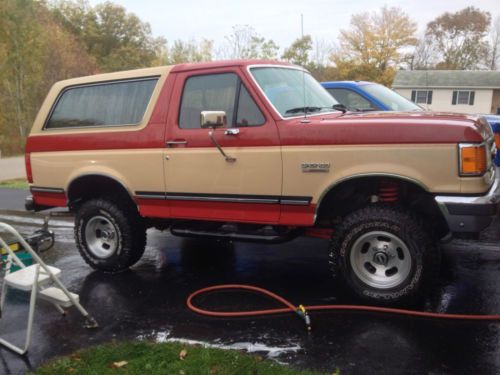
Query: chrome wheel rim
point(101, 237)
point(381, 260)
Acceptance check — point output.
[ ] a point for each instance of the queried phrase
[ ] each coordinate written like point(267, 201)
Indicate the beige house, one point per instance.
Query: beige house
point(451, 90)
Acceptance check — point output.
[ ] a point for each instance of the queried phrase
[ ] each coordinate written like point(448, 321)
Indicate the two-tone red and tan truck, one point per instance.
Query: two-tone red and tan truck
point(259, 151)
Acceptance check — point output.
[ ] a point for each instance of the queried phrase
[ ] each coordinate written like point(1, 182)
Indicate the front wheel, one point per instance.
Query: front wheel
point(110, 237)
point(384, 255)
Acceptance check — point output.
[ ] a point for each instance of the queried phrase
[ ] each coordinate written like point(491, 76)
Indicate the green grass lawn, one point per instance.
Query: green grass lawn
point(20, 183)
point(165, 358)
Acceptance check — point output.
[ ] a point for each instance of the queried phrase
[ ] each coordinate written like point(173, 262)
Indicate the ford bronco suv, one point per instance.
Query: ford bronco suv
point(257, 151)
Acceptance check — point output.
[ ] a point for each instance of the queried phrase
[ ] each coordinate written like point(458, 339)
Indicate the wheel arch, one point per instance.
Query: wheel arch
point(353, 192)
point(91, 185)
point(349, 179)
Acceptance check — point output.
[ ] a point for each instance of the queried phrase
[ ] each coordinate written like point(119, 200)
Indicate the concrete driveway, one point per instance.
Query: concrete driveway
point(12, 168)
point(148, 302)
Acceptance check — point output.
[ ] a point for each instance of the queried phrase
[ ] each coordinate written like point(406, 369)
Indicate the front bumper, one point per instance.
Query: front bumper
point(470, 214)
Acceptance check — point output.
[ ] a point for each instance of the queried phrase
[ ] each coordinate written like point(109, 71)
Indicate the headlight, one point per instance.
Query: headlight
point(474, 159)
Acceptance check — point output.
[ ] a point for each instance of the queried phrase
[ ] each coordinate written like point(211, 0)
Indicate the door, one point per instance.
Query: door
point(201, 183)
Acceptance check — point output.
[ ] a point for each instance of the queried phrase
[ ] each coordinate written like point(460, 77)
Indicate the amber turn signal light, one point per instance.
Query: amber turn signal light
point(472, 160)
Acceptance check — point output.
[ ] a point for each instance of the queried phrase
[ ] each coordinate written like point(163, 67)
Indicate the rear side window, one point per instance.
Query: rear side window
point(103, 104)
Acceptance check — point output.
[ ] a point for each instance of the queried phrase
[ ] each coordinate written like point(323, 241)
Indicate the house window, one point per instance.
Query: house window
point(465, 97)
point(421, 96)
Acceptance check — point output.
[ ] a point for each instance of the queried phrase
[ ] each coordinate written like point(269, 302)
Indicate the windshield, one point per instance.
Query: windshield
point(391, 98)
point(292, 91)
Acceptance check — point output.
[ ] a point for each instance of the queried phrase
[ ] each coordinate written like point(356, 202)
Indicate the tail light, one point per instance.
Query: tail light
point(497, 140)
point(473, 159)
point(27, 162)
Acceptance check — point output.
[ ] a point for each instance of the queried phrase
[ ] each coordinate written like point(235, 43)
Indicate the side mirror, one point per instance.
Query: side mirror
point(213, 119)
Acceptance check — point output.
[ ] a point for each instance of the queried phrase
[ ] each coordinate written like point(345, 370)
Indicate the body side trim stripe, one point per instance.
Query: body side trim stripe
point(229, 198)
point(222, 199)
point(40, 189)
point(149, 195)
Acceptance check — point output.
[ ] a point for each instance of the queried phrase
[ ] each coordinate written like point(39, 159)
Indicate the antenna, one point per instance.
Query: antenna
point(304, 120)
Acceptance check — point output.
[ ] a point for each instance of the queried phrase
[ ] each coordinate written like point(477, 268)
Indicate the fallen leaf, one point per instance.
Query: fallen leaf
point(214, 370)
point(183, 354)
point(182, 372)
point(119, 364)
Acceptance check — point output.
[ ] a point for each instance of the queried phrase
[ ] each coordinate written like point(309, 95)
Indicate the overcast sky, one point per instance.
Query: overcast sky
point(278, 20)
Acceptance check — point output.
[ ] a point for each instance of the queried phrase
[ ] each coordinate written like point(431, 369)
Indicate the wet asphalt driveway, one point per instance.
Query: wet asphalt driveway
point(148, 302)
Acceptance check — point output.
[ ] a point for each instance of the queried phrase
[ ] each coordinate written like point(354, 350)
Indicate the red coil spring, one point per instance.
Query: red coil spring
point(388, 192)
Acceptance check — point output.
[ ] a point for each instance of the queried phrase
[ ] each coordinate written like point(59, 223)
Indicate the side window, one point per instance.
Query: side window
point(215, 92)
point(352, 100)
point(218, 92)
point(105, 104)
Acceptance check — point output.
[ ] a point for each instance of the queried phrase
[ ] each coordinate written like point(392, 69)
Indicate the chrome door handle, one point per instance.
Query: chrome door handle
point(232, 132)
point(176, 142)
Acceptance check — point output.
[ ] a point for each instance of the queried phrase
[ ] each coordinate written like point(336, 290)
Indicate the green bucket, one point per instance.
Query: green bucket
point(24, 256)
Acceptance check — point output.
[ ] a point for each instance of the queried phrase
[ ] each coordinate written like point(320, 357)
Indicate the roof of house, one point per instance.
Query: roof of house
point(447, 79)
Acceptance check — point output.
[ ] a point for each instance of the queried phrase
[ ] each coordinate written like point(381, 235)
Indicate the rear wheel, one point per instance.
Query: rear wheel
point(384, 255)
point(110, 237)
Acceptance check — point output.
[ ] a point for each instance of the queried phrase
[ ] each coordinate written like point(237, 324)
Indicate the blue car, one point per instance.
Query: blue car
point(369, 96)
point(494, 121)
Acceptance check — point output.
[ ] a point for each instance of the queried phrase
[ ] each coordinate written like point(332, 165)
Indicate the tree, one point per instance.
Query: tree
point(237, 44)
point(364, 72)
point(20, 41)
point(321, 52)
point(182, 52)
point(494, 56)
point(324, 73)
point(260, 48)
point(373, 46)
point(268, 49)
point(117, 39)
point(245, 43)
point(64, 55)
point(35, 51)
point(298, 52)
point(424, 56)
point(460, 38)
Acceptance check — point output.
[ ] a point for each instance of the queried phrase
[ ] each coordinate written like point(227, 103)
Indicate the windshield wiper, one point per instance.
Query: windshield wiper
point(304, 109)
point(336, 107)
point(340, 107)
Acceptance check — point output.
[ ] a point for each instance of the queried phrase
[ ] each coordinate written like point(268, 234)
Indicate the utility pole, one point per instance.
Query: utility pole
point(301, 25)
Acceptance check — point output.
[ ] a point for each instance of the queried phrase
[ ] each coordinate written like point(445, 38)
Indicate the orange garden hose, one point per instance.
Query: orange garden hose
point(302, 311)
